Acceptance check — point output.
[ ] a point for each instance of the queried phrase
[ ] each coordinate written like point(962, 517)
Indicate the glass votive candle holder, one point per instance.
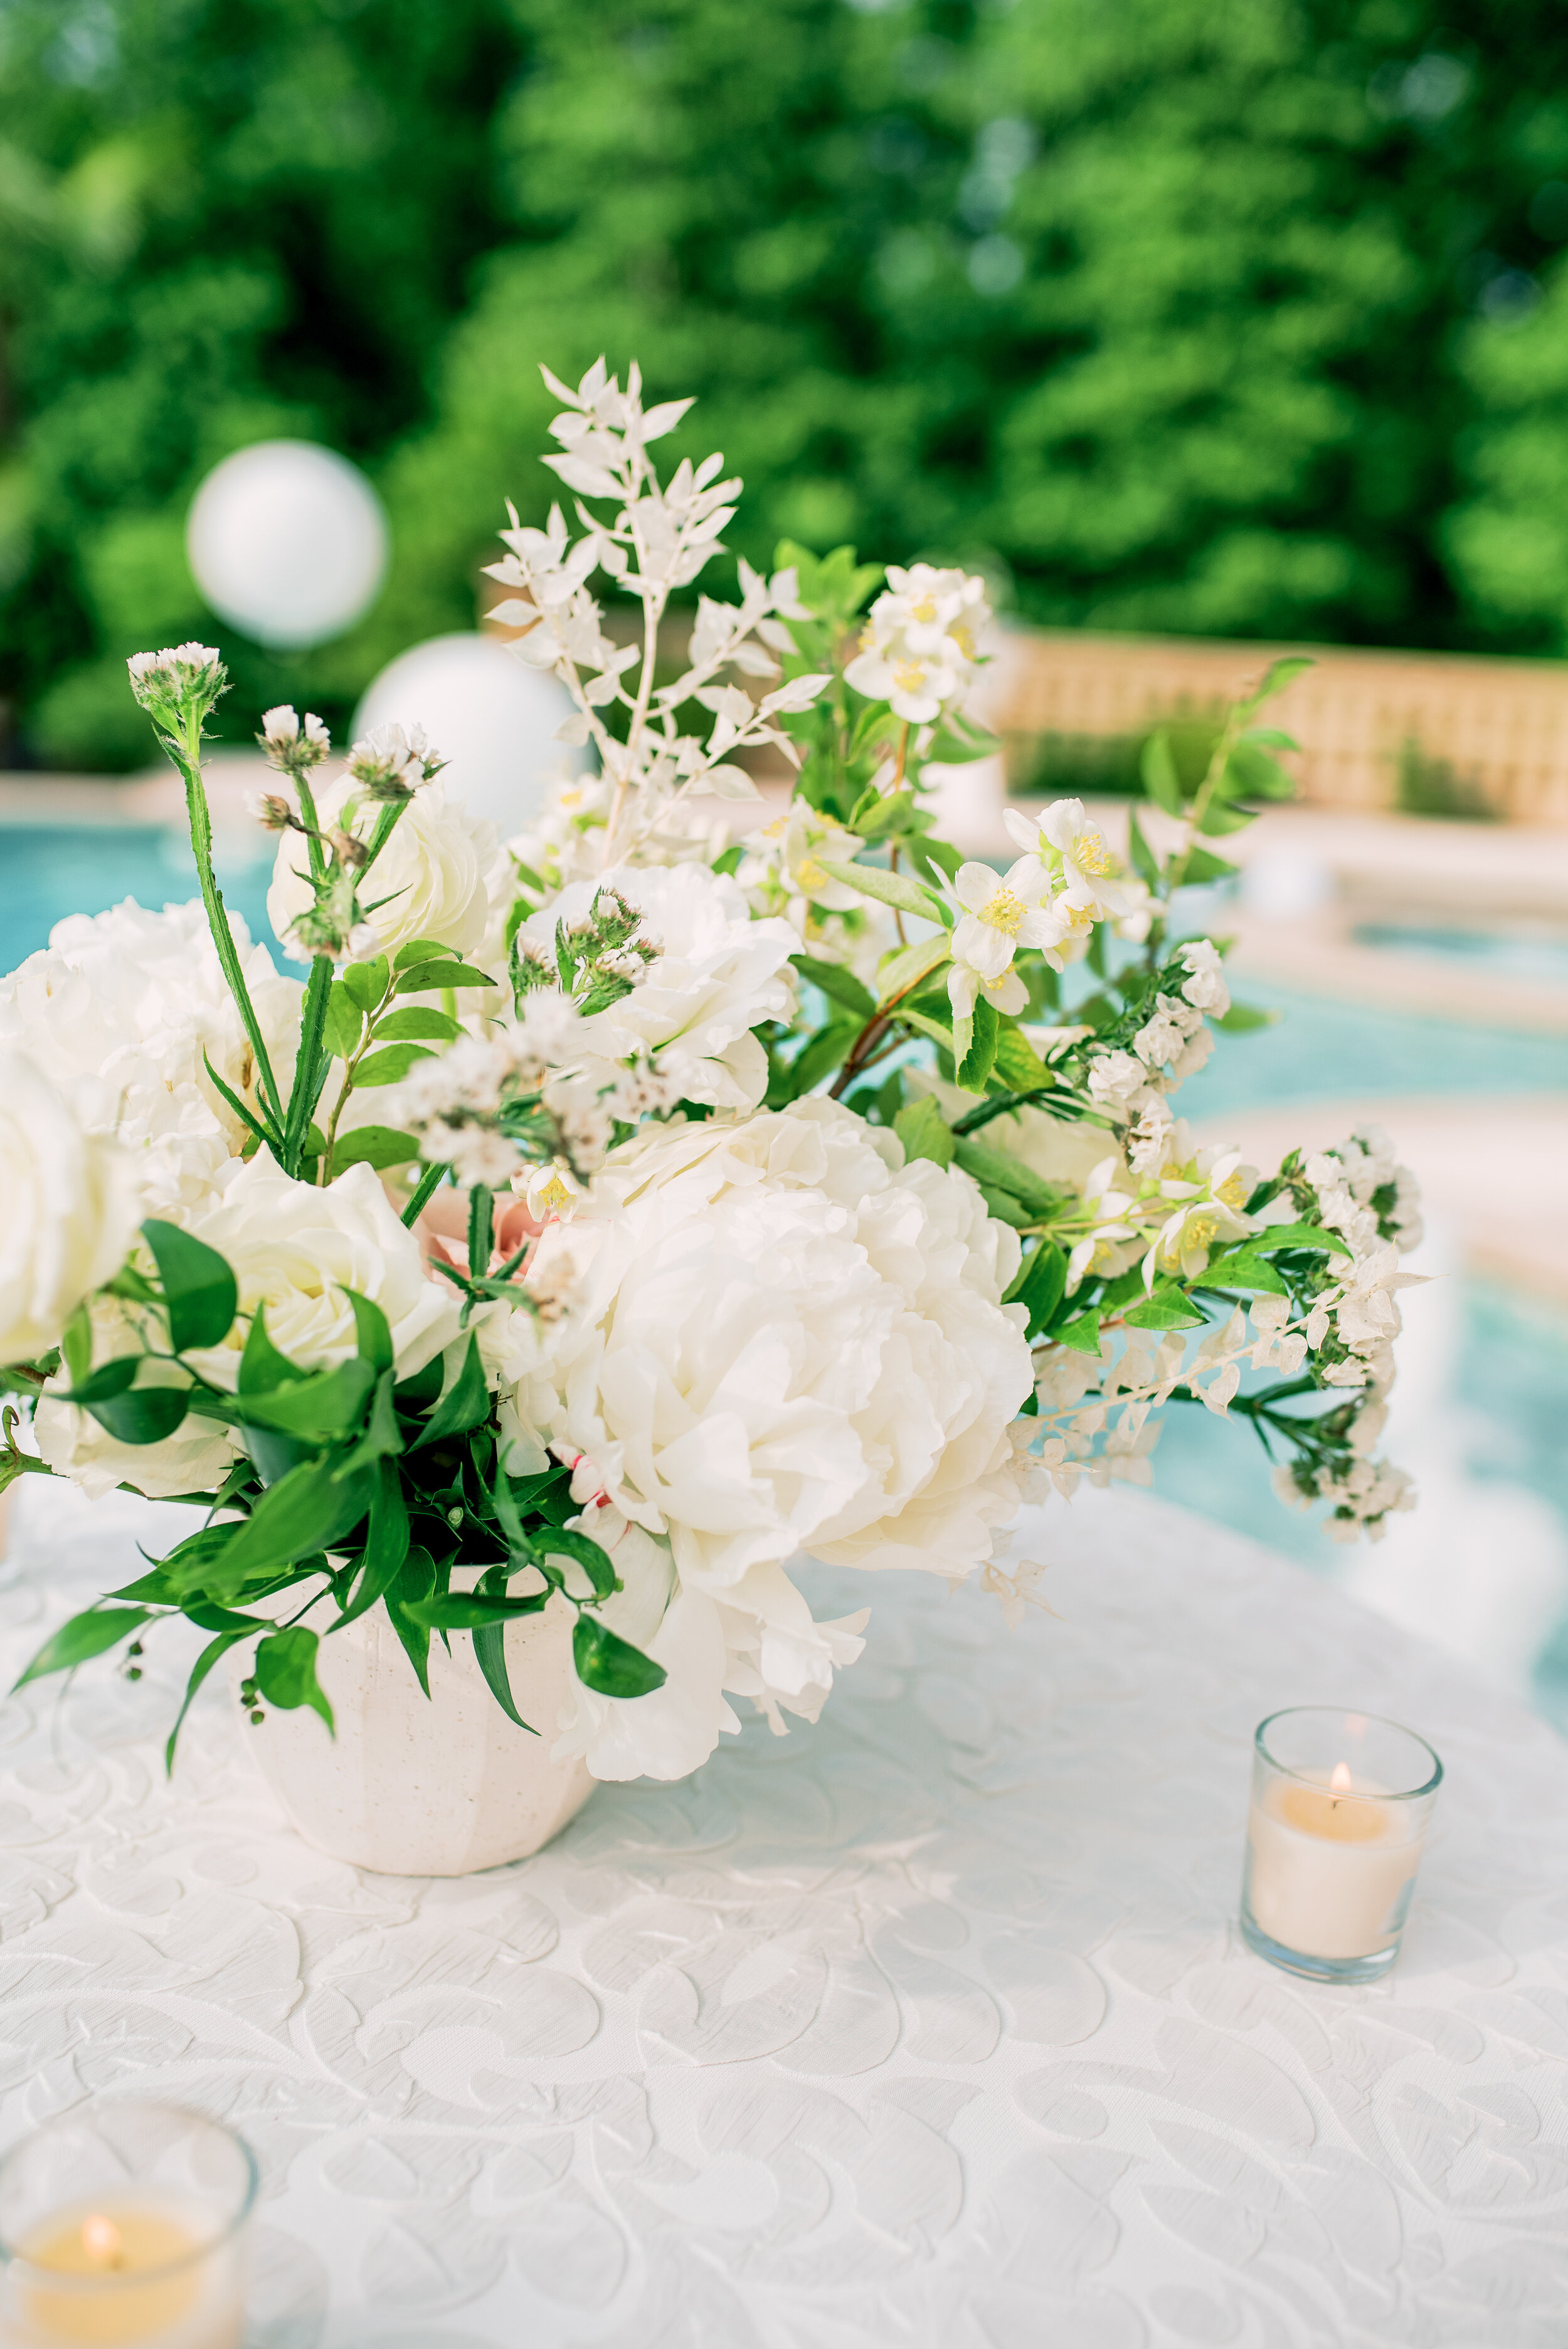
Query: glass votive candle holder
point(1340, 1806)
point(125, 2223)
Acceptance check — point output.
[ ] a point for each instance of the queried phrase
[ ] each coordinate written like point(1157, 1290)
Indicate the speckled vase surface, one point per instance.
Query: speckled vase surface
point(412, 1785)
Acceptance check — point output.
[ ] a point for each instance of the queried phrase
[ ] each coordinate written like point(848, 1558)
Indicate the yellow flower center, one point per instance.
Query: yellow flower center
point(554, 1195)
point(1079, 918)
point(1090, 853)
point(995, 986)
point(1004, 913)
point(908, 675)
point(924, 611)
point(1200, 1230)
point(1233, 1191)
point(809, 874)
point(777, 829)
point(959, 632)
point(568, 800)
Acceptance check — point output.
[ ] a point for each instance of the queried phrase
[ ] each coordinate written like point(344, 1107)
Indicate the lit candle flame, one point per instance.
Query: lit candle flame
point(100, 2241)
point(1340, 1781)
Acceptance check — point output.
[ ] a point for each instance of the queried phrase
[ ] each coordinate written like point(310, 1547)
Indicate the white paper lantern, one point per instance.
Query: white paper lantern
point(492, 720)
point(287, 540)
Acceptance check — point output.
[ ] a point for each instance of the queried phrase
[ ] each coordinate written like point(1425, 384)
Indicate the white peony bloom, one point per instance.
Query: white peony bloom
point(137, 1000)
point(295, 1249)
point(432, 871)
point(919, 644)
point(718, 975)
point(72, 1208)
point(787, 1338)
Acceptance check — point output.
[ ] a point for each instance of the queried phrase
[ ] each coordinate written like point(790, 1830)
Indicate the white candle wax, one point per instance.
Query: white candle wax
point(133, 2274)
point(1330, 1864)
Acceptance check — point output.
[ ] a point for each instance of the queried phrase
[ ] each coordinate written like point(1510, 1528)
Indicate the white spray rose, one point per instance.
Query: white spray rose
point(139, 1000)
point(71, 1208)
point(295, 1249)
point(786, 1339)
point(432, 871)
point(718, 975)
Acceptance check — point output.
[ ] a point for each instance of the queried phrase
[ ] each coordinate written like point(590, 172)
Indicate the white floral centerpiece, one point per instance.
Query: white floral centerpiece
point(811, 1195)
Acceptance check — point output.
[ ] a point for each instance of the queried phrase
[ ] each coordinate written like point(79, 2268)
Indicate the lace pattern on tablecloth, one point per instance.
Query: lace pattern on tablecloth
point(930, 2025)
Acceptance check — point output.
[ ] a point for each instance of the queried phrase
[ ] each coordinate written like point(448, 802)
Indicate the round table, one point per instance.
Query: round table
point(931, 2025)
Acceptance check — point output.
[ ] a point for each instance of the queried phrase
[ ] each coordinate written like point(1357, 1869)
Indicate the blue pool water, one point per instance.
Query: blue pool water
point(48, 871)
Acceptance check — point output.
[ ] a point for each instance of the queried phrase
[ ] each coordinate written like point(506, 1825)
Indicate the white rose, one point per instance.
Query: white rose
point(139, 1000)
point(718, 975)
point(432, 871)
point(787, 1338)
point(295, 1249)
point(71, 1208)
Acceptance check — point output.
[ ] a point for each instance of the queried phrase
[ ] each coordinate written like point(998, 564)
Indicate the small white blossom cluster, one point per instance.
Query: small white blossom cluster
point(164, 679)
point(1172, 1044)
point(1364, 1193)
point(659, 536)
point(1066, 881)
point(453, 1100)
point(919, 642)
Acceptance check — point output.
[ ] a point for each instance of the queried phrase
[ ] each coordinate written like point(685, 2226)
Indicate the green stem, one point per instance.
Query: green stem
point(424, 1191)
point(306, 1091)
point(188, 758)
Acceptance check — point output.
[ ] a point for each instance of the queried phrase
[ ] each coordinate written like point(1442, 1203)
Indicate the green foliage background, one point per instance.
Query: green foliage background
point(1243, 321)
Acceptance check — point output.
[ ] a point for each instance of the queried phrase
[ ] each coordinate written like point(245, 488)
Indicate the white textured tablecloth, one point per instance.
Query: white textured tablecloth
point(931, 2025)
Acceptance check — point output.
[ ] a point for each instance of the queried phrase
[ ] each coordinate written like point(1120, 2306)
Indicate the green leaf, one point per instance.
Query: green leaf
point(366, 981)
point(327, 1404)
point(1202, 866)
point(490, 1653)
point(390, 1067)
point(372, 1331)
point(1143, 857)
point(1168, 1308)
point(199, 1671)
point(954, 1039)
point(305, 1510)
point(425, 978)
point(417, 1020)
point(874, 814)
point(84, 1637)
point(980, 1056)
point(1302, 1236)
point(109, 1379)
point(464, 1404)
point(144, 1415)
point(595, 1562)
point(1006, 1208)
point(925, 1131)
point(420, 950)
point(1242, 1016)
point(76, 1345)
point(386, 1548)
point(824, 1053)
point(889, 888)
point(904, 972)
point(611, 1665)
point(262, 1367)
point(1277, 676)
point(725, 863)
point(191, 1564)
point(472, 1611)
point(198, 1288)
point(1161, 780)
point(344, 1022)
point(375, 1146)
point(1242, 1270)
point(838, 983)
point(1082, 1335)
point(1041, 1284)
point(1018, 1064)
point(414, 1583)
point(1220, 817)
point(285, 1671)
point(1252, 773)
point(1003, 1172)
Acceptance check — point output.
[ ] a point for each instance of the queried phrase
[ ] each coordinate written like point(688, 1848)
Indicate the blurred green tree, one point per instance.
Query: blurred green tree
point(1208, 320)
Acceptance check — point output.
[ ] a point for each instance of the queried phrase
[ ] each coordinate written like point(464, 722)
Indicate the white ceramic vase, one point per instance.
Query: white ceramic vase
point(418, 1786)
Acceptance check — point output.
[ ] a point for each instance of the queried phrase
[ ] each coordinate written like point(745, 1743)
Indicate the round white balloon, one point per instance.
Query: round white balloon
point(490, 718)
point(288, 542)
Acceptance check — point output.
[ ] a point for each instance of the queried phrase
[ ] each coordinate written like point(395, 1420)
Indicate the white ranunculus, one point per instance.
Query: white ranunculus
point(295, 1249)
point(71, 1208)
point(432, 871)
point(137, 1000)
point(786, 1339)
point(719, 973)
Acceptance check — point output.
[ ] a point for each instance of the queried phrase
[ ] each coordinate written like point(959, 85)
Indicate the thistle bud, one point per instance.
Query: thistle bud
point(352, 853)
point(274, 813)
